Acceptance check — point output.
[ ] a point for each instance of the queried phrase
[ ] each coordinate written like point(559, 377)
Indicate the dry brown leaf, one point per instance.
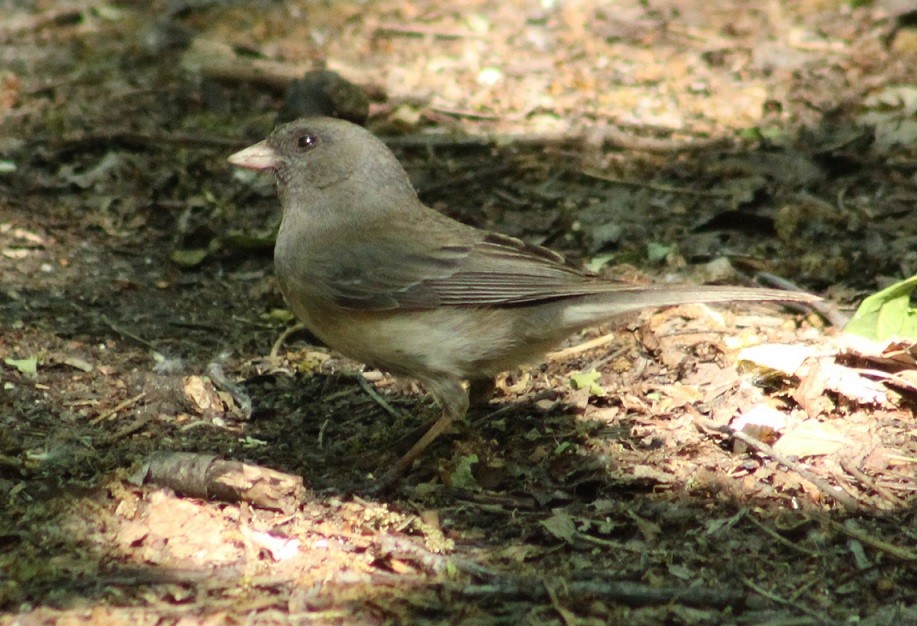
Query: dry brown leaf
point(893, 350)
point(652, 473)
point(774, 357)
point(847, 382)
point(202, 395)
point(681, 394)
point(811, 438)
point(810, 394)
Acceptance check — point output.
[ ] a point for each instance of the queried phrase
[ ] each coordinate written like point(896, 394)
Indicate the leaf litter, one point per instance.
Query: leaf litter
point(699, 137)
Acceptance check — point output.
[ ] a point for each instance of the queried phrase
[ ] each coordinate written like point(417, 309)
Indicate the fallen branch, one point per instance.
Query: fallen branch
point(416, 30)
point(896, 552)
point(822, 485)
point(622, 592)
point(209, 477)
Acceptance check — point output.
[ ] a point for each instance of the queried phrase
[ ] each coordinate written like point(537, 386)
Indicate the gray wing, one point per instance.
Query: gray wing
point(490, 270)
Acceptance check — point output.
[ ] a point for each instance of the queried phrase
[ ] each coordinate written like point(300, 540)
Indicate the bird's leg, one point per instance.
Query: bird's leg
point(453, 399)
point(480, 391)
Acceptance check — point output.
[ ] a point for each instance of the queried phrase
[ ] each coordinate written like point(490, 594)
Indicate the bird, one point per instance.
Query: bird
point(382, 278)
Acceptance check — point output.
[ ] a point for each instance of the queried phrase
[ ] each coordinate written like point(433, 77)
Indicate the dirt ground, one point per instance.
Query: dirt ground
point(652, 140)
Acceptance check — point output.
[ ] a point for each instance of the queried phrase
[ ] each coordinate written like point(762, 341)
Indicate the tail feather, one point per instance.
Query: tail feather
point(601, 306)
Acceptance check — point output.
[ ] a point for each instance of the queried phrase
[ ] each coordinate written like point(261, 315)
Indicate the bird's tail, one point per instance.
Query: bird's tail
point(598, 307)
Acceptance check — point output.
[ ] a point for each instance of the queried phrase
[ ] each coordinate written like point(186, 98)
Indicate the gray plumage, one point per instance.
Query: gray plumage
point(386, 280)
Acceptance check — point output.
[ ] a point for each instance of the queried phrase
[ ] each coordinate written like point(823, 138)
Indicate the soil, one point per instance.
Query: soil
point(663, 141)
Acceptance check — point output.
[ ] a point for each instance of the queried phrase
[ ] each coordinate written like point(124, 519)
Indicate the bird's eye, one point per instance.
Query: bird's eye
point(307, 142)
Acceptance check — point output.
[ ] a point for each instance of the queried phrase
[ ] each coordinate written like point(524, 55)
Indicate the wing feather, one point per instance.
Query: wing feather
point(495, 270)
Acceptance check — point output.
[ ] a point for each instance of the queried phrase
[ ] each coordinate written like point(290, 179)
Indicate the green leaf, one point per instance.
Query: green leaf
point(657, 252)
point(887, 314)
point(560, 525)
point(189, 257)
point(248, 242)
point(562, 447)
point(588, 380)
point(283, 316)
point(749, 134)
point(596, 263)
point(28, 367)
point(462, 477)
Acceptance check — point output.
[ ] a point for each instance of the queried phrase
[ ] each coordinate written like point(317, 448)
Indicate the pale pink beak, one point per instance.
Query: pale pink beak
point(257, 157)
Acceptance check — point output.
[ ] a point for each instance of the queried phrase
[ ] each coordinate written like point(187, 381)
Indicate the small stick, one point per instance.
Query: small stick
point(474, 115)
point(897, 552)
point(656, 187)
point(372, 393)
point(869, 483)
point(220, 380)
point(275, 349)
point(596, 342)
point(566, 614)
point(128, 335)
point(782, 601)
point(133, 140)
point(18, 25)
point(840, 496)
point(128, 429)
point(424, 31)
point(782, 540)
point(209, 477)
point(117, 409)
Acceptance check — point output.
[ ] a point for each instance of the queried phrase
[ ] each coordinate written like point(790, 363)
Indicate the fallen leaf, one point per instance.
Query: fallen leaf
point(887, 314)
point(463, 476)
point(28, 367)
point(560, 525)
point(811, 438)
point(202, 395)
point(831, 376)
point(775, 357)
point(761, 422)
point(190, 257)
point(280, 548)
point(588, 380)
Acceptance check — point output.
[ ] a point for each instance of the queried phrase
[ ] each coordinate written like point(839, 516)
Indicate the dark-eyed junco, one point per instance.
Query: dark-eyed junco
point(386, 280)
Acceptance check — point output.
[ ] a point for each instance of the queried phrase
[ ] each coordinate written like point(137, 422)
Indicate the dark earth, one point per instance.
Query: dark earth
point(653, 141)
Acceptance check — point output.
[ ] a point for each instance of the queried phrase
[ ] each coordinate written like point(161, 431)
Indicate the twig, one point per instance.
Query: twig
point(372, 393)
point(208, 476)
point(22, 24)
point(128, 335)
point(128, 429)
point(597, 342)
point(617, 138)
point(464, 180)
point(868, 482)
point(624, 592)
point(132, 140)
point(424, 31)
point(825, 308)
point(117, 409)
point(897, 552)
point(782, 540)
point(473, 115)
point(544, 394)
point(220, 61)
point(840, 496)
point(656, 187)
point(783, 601)
point(610, 544)
point(254, 324)
point(566, 614)
point(275, 349)
point(219, 379)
